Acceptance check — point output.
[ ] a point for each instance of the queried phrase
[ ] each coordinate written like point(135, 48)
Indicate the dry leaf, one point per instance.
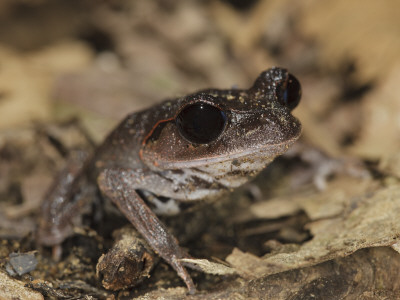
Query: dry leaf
point(26, 81)
point(380, 135)
point(274, 208)
point(365, 31)
point(210, 267)
point(15, 289)
point(372, 222)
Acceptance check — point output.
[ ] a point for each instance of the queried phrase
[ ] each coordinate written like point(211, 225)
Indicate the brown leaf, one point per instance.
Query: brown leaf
point(15, 289)
point(372, 222)
point(356, 29)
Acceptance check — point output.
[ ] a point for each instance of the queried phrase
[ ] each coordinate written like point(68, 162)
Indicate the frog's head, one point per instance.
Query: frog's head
point(227, 128)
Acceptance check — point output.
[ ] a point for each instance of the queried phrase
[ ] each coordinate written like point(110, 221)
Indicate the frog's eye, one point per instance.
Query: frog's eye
point(291, 92)
point(201, 123)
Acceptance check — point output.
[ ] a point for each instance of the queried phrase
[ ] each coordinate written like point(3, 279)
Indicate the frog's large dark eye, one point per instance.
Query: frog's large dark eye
point(292, 92)
point(200, 123)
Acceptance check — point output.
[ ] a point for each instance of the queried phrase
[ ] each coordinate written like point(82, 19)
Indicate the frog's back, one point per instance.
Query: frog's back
point(121, 148)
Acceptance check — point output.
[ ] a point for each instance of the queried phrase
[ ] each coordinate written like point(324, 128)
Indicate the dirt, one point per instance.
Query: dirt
point(320, 222)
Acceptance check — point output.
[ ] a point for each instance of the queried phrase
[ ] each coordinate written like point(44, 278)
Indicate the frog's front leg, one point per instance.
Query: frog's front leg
point(119, 185)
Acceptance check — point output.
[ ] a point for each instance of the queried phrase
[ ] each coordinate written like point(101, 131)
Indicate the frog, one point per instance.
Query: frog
point(196, 147)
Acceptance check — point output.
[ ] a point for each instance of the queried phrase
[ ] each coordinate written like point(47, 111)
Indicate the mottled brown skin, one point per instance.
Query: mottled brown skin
point(147, 153)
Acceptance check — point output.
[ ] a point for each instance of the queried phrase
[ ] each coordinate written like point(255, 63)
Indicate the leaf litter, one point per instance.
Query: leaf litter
point(344, 53)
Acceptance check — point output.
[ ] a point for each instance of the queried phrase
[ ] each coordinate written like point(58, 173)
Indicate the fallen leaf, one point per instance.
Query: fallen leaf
point(372, 222)
point(14, 289)
point(380, 135)
point(210, 267)
point(361, 30)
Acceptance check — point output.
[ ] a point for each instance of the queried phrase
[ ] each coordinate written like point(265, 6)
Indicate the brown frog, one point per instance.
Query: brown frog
point(192, 148)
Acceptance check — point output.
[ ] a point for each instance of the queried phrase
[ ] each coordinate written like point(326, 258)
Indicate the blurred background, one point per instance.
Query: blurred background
point(100, 60)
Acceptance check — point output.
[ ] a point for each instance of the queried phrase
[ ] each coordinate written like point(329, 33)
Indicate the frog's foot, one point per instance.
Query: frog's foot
point(119, 185)
point(321, 166)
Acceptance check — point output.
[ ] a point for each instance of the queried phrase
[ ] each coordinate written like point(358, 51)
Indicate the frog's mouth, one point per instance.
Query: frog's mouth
point(264, 134)
point(214, 175)
point(263, 155)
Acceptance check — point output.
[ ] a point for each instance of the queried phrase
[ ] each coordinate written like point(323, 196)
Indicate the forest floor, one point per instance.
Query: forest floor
point(71, 70)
